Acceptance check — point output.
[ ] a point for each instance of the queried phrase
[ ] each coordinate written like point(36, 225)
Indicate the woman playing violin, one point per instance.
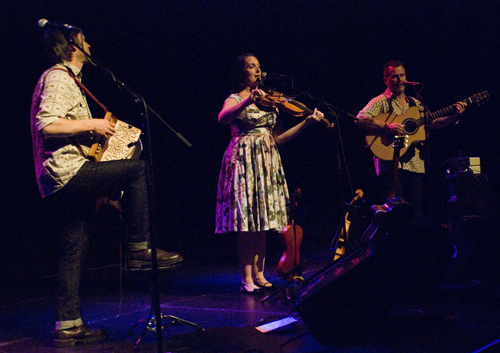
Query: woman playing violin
point(252, 195)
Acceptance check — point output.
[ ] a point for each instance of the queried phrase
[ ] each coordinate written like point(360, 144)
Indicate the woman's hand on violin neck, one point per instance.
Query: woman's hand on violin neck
point(256, 94)
point(315, 117)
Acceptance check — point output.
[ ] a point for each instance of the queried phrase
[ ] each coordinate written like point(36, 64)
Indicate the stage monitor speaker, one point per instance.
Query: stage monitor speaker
point(473, 195)
point(350, 298)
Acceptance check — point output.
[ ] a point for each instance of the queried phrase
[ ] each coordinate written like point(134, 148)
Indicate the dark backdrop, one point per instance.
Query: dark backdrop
point(176, 54)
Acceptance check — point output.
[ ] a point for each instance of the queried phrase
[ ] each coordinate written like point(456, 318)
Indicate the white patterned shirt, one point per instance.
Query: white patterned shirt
point(57, 159)
point(411, 160)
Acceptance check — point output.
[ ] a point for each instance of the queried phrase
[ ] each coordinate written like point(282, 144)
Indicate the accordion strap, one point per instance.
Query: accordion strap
point(88, 93)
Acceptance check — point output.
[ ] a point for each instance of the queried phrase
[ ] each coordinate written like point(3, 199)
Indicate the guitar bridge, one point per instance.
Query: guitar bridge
point(400, 141)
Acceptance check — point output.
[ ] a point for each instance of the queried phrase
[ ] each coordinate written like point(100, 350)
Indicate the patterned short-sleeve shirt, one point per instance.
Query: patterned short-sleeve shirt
point(57, 96)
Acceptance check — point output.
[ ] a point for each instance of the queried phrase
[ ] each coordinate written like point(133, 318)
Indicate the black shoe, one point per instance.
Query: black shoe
point(80, 334)
point(142, 259)
point(265, 286)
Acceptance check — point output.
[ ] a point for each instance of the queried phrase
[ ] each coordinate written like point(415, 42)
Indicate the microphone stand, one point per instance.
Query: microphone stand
point(151, 196)
point(121, 85)
point(427, 152)
point(341, 158)
point(340, 164)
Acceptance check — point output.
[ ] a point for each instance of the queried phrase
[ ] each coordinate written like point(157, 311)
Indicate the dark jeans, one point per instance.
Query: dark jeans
point(74, 207)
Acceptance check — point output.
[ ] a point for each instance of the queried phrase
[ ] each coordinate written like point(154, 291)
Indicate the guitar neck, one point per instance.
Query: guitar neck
point(449, 110)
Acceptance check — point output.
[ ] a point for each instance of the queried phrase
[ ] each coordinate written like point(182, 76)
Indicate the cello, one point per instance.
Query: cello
point(288, 266)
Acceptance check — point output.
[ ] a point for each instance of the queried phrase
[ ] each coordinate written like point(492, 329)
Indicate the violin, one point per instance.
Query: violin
point(287, 105)
point(288, 266)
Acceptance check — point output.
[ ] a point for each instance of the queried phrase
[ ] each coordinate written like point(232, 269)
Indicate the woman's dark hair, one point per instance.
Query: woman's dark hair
point(238, 73)
point(58, 47)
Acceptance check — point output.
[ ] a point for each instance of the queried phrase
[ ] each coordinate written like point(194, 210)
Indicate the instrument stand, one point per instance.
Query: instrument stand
point(342, 234)
point(287, 292)
point(155, 302)
point(342, 229)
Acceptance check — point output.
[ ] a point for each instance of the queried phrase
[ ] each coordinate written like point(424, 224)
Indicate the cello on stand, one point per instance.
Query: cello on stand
point(290, 267)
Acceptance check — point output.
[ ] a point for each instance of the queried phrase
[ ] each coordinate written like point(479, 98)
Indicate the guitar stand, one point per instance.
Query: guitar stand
point(341, 236)
point(341, 229)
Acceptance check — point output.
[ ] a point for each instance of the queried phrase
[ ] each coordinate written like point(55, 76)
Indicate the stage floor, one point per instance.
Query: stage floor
point(452, 317)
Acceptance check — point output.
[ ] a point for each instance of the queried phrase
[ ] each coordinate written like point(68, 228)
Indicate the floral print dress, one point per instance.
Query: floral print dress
point(252, 192)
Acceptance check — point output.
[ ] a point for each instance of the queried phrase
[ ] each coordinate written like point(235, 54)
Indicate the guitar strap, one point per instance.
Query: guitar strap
point(88, 93)
point(85, 89)
point(389, 102)
point(411, 101)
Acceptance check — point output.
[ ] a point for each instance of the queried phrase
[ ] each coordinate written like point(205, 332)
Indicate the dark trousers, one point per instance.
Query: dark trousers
point(74, 207)
point(409, 187)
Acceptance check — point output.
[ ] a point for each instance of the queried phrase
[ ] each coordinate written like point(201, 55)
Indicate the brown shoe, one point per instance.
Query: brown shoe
point(142, 259)
point(80, 334)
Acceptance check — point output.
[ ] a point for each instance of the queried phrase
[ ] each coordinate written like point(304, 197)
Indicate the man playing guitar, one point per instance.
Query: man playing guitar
point(394, 101)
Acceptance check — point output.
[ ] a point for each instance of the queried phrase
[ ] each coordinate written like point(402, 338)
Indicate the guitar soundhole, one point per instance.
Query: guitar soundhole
point(410, 126)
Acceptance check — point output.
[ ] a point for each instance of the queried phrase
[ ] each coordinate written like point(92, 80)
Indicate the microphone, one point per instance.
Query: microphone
point(409, 83)
point(45, 24)
point(265, 76)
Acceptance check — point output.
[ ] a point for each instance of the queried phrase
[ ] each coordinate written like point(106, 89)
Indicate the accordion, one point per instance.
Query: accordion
point(124, 144)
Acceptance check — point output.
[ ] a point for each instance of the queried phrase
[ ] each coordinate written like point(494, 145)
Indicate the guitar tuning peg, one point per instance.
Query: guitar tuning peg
point(479, 98)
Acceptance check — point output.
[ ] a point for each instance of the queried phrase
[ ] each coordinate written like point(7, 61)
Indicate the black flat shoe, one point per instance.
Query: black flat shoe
point(265, 286)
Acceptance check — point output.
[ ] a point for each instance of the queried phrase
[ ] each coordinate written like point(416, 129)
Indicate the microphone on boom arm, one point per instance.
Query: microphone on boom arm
point(64, 28)
point(409, 83)
point(266, 76)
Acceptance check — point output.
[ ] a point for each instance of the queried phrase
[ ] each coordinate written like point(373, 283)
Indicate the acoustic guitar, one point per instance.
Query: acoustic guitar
point(413, 120)
point(343, 237)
